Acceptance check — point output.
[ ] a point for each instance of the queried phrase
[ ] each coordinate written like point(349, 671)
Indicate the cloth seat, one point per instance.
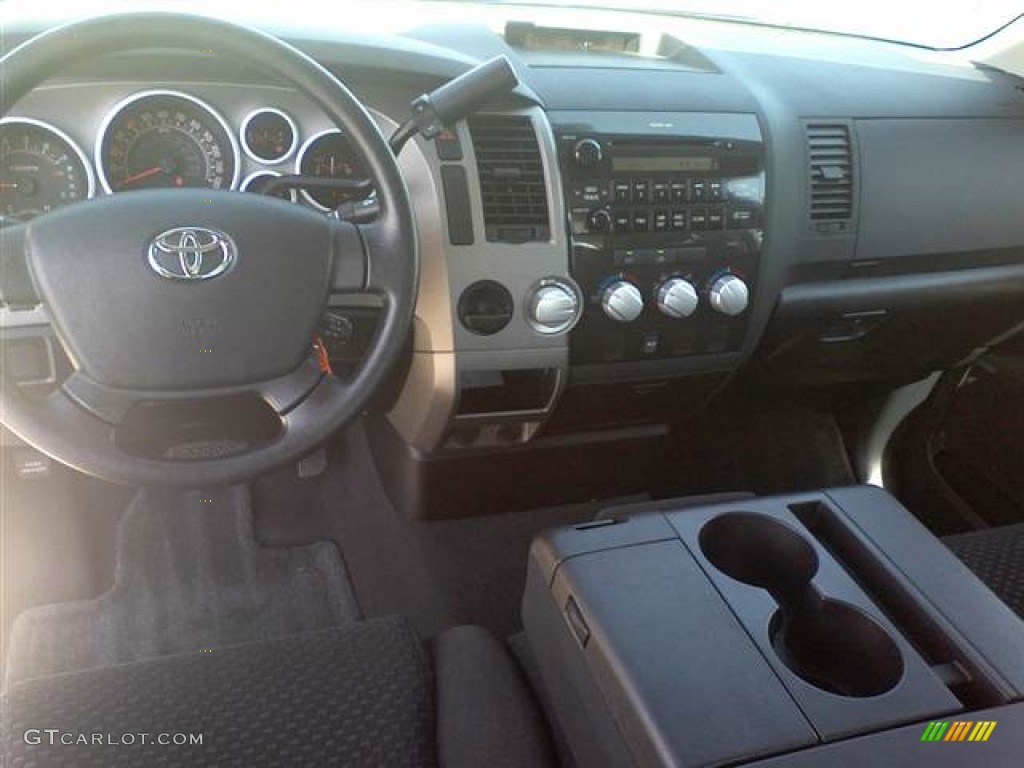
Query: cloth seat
point(996, 555)
point(368, 694)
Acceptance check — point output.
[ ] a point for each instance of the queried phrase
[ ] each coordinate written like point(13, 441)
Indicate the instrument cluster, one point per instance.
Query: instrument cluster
point(161, 138)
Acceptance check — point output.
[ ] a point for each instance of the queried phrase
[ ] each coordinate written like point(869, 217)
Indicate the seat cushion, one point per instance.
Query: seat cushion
point(486, 714)
point(361, 695)
point(996, 556)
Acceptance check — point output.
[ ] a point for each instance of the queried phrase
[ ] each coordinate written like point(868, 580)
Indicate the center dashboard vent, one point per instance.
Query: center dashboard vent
point(831, 183)
point(512, 186)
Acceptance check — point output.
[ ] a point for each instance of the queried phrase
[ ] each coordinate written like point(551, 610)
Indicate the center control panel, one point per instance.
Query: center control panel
point(666, 221)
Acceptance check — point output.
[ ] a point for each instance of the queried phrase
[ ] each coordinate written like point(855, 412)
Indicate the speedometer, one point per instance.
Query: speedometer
point(165, 139)
point(41, 168)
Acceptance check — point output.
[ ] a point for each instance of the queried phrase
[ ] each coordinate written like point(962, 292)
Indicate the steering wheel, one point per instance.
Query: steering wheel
point(168, 299)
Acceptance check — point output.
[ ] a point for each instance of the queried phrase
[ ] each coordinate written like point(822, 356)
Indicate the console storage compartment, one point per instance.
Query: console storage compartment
point(727, 633)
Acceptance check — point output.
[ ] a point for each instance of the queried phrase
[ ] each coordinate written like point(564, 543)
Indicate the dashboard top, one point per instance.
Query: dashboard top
point(678, 63)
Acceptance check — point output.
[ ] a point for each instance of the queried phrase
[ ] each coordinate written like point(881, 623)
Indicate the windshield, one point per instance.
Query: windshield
point(942, 24)
point(930, 23)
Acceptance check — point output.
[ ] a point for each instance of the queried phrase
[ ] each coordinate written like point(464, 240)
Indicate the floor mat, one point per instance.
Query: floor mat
point(764, 446)
point(189, 576)
point(996, 555)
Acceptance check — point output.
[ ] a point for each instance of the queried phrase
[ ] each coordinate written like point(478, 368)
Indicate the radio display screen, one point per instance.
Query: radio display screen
point(670, 164)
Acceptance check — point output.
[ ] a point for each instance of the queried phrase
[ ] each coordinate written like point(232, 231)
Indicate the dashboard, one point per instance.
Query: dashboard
point(660, 199)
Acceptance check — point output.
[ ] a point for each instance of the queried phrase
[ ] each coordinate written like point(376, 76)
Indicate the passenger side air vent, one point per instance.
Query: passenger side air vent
point(512, 184)
point(831, 187)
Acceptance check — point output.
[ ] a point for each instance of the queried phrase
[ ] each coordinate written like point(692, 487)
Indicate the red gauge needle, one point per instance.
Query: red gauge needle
point(8, 185)
point(141, 175)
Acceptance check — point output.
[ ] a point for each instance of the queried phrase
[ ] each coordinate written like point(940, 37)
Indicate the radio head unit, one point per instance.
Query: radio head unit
point(667, 225)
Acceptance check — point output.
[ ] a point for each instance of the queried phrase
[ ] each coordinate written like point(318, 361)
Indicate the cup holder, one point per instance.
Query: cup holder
point(828, 643)
point(838, 649)
point(759, 551)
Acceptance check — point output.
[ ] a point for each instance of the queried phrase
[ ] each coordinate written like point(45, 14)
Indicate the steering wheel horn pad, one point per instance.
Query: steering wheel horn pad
point(126, 325)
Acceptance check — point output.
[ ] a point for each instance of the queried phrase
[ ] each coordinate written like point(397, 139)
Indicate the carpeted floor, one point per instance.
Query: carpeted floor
point(439, 574)
point(189, 576)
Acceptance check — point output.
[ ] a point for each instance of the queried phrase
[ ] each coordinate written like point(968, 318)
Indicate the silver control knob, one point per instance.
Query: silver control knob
point(729, 295)
point(677, 298)
point(622, 301)
point(553, 306)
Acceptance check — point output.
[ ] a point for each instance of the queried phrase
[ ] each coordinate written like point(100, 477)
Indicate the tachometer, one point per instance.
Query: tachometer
point(165, 139)
point(41, 168)
point(329, 155)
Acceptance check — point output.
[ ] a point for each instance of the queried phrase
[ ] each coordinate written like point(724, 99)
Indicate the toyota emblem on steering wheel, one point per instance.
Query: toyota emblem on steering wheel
point(192, 253)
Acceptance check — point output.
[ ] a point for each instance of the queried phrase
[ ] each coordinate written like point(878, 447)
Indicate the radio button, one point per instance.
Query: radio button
point(698, 219)
point(641, 194)
point(716, 218)
point(716, 191)
point(641, 221)
point(592, 193)
point(661, 221)
point(651, 342)
point(740, 218)
point(661, 192)
point(698, 191)
point(625, 258)
point(623, 192)
point(623, 221)
point(678, 220)
point(678, 191)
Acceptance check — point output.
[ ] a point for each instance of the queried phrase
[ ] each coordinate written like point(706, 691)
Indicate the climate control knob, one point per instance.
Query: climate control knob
point(729, 295)
point(553, 306)
point(677, 298)
point(587, 153)
point(622, 301)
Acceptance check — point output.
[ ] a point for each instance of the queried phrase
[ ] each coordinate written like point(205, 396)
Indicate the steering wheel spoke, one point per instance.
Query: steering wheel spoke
point(350, 265)
point(17, 291)
point(388, 258)
point(29, 350)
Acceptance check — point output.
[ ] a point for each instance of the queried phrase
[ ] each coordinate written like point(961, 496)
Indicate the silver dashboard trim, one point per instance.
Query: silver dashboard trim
point(89, 174)
point(252, 155)
point(113, 112)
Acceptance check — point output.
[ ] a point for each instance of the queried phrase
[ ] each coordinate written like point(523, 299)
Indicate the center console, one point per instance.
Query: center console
point(666, 219)
point(779, 628)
